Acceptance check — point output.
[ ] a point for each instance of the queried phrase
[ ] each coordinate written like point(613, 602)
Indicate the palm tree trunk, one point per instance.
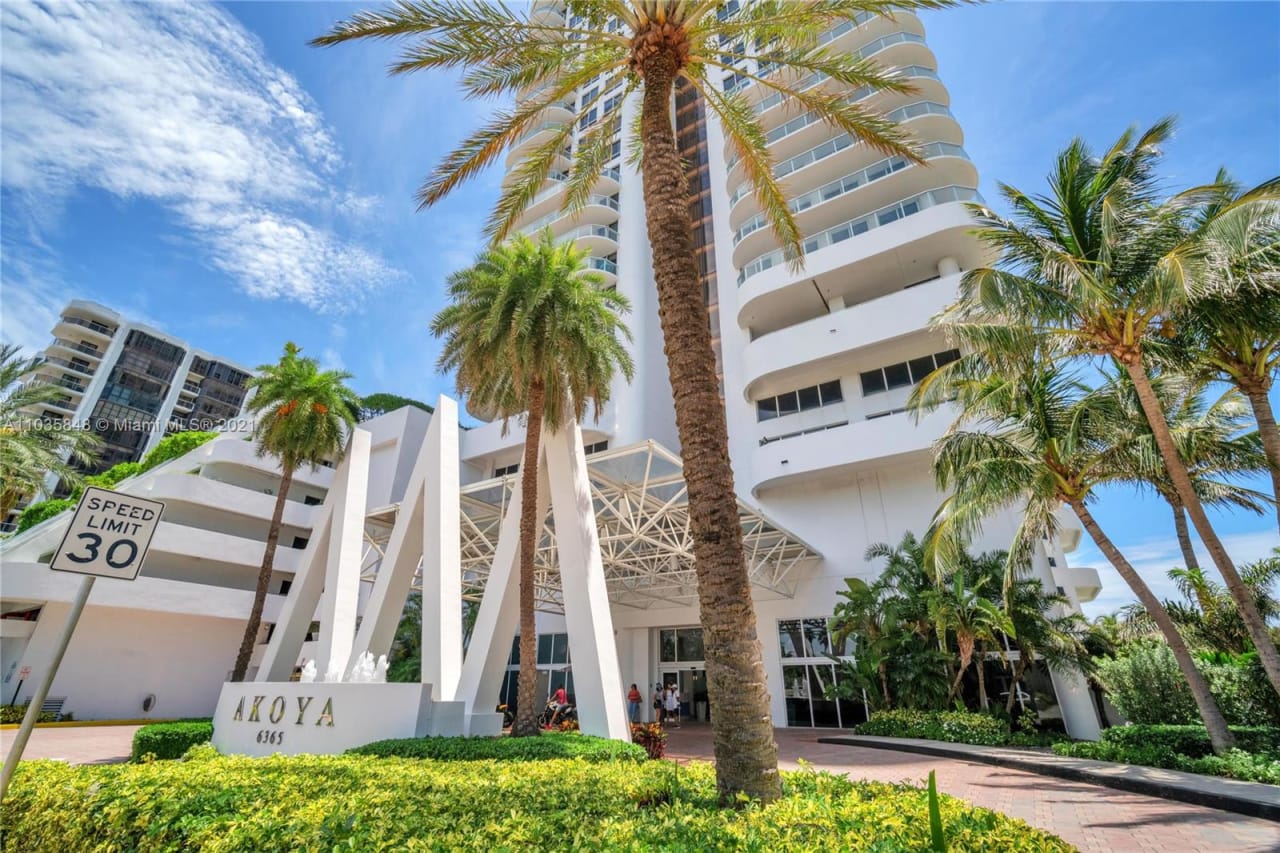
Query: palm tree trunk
point(1019, 668)
point(264, 577)
point(1267, 652)
point(884, 684)
point(1270, 435)
point(1189, 559)
point(1219, 735)
point(746, 755)
point(526, 722)
point(965, 647)
point(982, 679)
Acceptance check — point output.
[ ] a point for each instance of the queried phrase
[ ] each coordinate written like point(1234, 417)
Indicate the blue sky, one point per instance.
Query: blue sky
point(202, 168)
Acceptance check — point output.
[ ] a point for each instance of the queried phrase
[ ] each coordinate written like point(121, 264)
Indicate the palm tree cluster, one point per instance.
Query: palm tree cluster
point(917, 631)
point(1123, 336)
point(641, 50)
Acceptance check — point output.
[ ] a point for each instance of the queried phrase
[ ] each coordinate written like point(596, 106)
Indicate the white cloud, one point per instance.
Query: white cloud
point(1153, 558)
point(177, 104)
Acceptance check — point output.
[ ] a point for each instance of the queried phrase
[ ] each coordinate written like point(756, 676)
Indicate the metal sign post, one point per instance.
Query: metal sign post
point(108, 537)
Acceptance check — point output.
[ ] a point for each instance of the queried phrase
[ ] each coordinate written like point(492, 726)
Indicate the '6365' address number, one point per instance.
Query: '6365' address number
point(270, 736)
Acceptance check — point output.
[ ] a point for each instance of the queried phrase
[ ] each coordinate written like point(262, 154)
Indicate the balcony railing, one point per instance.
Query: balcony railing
point(69, 383)
point(861, 225)
point(851, 182)
point(539, 223)
point(546, 125)
point(590, 231)
point(192, 387)
point(603, 265)
point(90, 324)
point(84, 348)
point(86, 369)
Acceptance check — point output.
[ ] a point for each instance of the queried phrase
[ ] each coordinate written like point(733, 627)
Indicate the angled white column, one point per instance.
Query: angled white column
point(593, 651)
point(498, 618)
point(299, 608)
point(341, 596)
point(442, 556)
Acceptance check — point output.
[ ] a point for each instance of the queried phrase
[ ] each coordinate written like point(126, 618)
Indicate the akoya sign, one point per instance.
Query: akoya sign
point(109, 535)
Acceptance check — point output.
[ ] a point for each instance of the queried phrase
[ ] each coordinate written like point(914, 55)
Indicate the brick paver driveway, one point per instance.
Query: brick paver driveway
point(1094, 818)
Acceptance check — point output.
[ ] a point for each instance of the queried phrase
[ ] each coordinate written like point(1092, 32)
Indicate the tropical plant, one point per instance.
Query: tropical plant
point(1101, 266)
point(1032, 440)
point(1043, 629)
point(644, 47)
point(304, 415)
point(530, 330)
point(960, 607)
point(1211, 434)
point(32, 449)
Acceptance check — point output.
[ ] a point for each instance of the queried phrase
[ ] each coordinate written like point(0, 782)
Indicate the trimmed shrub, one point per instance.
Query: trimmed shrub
point(544, 747)
point(1256, 757)
point(42, 510)
point(224, 803)
point(1192, 740)
point(652, 737)
point(173, 446)
point(170, 740)
point(109, 478)
point(14, 714)
point(952, 727)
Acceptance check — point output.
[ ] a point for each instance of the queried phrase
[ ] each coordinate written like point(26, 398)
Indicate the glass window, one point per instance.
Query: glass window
point(689, 644)
point(817, 643)
point(920, 367)
point(831, 392)
point(872, 382)
point(824, 710)
point(788, 404)
point(796, 683)
point(667, 645)
point(544, 649)
point(790, 638)
point(947, 357)
point(897, 376)
point(809, 398)
point(559, 648)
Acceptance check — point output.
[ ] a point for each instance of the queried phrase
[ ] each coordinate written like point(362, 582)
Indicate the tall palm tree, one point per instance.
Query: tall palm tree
point(30, 448)
point(1103, 266)
point(1211, 436)
point(1038, 439)
point(644, 47)
point(303, 417)
point(529, 330)
point(960, 608)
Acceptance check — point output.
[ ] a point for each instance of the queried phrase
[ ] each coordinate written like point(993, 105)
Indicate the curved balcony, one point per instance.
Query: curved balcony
point(539, 134)
point(854, 227)
point(235, 451)
point(831, 339)
point(606, 268)
point(549, 199)
point(871, 188)
point(597, 239)
point(844, 448)
point(598, 210)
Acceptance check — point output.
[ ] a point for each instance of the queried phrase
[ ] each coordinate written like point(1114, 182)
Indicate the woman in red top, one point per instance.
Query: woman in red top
point(633, 703)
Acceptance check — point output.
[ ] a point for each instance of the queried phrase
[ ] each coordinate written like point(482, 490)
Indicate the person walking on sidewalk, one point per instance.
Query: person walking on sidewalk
point(673, 705)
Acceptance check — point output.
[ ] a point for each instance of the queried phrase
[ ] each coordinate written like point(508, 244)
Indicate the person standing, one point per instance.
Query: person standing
point(633, 703)
point(673, 705)
point(658, 704)
point(561, 701)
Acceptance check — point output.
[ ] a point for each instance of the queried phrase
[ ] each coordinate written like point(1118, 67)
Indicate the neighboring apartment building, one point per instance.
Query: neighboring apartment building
point(132, 384)
point(816, 369)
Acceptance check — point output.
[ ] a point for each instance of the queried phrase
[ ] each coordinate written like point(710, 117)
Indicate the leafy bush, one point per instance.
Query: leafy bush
point(170, 740)
point(652, 737)
point(952, 727)
point(225, 803)
point(382, 403)
point(1145, 684)
point(1236, 764)
point(545, 747)
point(173, 446)
point(1192, 740)
point(14, 714)
point(42, 510)
point(115, 474)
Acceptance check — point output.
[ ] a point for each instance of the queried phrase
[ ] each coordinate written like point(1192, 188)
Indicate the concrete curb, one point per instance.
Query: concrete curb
point(1079, 770)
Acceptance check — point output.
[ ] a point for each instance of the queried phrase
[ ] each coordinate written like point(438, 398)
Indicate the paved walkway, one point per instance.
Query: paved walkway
point(1093, 818)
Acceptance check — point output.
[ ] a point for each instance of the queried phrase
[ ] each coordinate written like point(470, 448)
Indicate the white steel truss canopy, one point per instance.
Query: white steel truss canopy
point(642, 514)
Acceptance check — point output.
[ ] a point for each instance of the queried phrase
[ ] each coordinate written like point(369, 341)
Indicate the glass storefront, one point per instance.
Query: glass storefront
point(807, 673)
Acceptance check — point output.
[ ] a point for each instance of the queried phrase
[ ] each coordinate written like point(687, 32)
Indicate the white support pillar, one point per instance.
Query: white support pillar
point(442, 557)
point(593, 650)
point(496, 623)
point(299, 608)
point(341, 596)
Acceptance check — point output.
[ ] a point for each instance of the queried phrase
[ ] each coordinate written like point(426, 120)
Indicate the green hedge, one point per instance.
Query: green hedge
point(41, 511)
point(170, 740)
point(1256, 757)
point(219, 804)
point(952, 727)
point(15, 713)
point(545, 747)
point(175, 445)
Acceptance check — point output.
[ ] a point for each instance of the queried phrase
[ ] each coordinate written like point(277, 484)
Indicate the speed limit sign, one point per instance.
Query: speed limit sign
point(109, 535)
